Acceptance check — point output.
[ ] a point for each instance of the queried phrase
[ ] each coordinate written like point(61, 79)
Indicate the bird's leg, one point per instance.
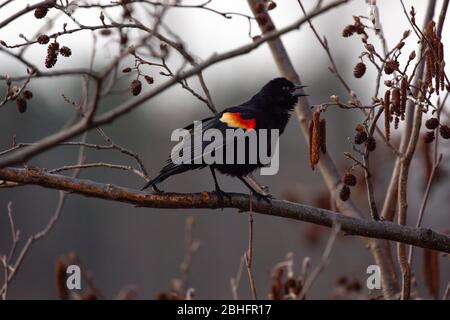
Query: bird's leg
point(256, 185)
point(219, 192)
point(258, 195)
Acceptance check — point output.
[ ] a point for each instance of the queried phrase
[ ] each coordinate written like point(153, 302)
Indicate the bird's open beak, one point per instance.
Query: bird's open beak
point(298, 91)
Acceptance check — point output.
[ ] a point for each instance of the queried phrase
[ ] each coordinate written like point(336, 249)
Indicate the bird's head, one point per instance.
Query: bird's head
point(281, 93)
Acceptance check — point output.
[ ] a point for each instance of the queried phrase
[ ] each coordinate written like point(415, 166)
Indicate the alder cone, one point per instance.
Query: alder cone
point(360, 70)
point(40, 12)
point(445, 132)
point(429, 137)
point(350, 179)
point(136, 87)
point(345, 192)
point(391, 66)
point(21, 104)
point(432, 123)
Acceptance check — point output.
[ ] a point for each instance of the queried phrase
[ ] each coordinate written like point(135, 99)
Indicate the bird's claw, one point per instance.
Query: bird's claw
point(266, 197)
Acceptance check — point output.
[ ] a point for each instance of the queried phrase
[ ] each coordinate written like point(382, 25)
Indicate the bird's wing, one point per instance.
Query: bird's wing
point(231, 118)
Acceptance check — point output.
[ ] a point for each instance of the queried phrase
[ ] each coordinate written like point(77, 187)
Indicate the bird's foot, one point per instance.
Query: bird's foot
point(266, 197)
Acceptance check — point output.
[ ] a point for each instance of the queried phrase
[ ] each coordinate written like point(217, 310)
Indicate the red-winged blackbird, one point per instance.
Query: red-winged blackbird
point(268, 109)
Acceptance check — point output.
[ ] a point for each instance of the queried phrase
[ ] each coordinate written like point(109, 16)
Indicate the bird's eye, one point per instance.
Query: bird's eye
point(286, 88)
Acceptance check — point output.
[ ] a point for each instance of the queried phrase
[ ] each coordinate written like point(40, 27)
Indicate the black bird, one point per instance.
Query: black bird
point(270, 108)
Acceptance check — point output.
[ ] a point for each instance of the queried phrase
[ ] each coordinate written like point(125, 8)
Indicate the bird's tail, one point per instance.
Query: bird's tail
point(168, 170)
point(161, 176)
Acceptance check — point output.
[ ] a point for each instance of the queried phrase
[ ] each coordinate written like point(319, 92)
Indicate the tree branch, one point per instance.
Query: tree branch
point(420, 237)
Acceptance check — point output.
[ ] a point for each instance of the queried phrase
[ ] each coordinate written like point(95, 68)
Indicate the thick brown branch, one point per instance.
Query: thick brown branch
point(420, 237)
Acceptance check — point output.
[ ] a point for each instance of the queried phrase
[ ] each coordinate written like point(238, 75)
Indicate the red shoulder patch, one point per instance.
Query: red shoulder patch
point(234, 120)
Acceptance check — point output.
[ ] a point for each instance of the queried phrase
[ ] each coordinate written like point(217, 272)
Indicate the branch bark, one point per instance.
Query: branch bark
point(420, 237)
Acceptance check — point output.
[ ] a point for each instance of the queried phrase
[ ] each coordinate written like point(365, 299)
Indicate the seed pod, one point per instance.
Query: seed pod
point(271, 5)
point(437, 83)
point(406, 34)
point(391, 66)
point(53, 48)
point(395, 98)
point(105, 32)
point(345, 192)
point(21, 104)
point(349, 179)
point(403, 96)
point(136, 87)
point(429, 137)
point(65, 51)
point(359, 70)
point(445, 132)
point(27, 94)
point(348, 31)
point(314, 140)
point(323, 135)
point(360, 137)
point(412, 55)
point(429, 69)
point(43, 39)
point(360, 128)
point(432, 123)
point(371, 144)
point(51, 59)
point(149, 79)
point(369, 47)
point(441, 64)
point(400, 45)
point(41, 12)
point(387, 114)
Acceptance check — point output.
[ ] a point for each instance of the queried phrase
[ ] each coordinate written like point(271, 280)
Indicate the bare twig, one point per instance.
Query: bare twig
point(322, 264)
point(248, 255)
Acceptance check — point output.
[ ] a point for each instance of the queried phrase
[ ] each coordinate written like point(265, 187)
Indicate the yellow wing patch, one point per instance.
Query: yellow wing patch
point(234, 120)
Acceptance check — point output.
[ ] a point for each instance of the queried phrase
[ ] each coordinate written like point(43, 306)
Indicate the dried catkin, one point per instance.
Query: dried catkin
point(429, 69)
point(395, 98)
point(314, 139)
point(323, 135)
point(403, 96)
point(311, 129)
point(442, 64)
point(387, 114)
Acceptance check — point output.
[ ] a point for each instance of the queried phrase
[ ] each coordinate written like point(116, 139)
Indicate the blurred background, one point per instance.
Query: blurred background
point(122, 245)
